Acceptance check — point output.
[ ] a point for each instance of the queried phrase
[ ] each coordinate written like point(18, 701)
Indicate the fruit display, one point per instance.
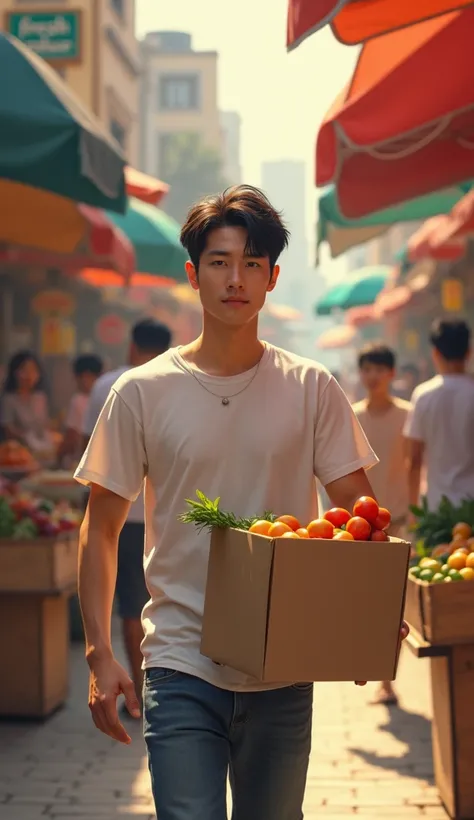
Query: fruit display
point(435, 528)
point(14, 456)
point(366, 522)
point(24, 516)
point(450, 562)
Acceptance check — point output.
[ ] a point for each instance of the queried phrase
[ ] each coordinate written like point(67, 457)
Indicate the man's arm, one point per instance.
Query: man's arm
point(98, 548)
point(345, 491)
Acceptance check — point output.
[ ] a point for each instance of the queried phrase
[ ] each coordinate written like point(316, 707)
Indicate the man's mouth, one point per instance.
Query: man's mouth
point(235, 301)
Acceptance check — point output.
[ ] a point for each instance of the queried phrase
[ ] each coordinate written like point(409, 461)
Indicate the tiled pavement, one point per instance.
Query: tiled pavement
point(368, 762)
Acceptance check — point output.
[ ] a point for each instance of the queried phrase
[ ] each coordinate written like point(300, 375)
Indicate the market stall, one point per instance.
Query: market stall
point(440, 612)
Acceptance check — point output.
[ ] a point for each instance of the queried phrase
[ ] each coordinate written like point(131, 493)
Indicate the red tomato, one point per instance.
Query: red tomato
point(382, 522)
point(320, 528)
point(337, 516)
point(359, 528)
point(366, 508)
point(379, 535)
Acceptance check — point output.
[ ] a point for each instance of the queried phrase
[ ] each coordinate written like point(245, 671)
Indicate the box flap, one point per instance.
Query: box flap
point(236, 603)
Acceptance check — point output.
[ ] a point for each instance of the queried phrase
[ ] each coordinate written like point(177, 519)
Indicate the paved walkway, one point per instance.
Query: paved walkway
point(367, 762)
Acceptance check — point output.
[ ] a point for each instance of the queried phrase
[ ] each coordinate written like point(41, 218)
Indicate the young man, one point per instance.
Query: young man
point(383, 417)
point(148, 340)
point(87, 369)
point(440, 427)
point(207, 416)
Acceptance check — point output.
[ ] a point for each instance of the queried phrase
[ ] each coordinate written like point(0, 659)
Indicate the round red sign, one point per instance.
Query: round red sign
point(111, 329)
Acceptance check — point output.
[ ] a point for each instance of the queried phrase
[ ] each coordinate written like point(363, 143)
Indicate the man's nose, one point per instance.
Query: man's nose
point(235, 276)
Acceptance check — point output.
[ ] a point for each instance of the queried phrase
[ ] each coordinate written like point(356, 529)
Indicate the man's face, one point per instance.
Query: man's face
point(376, 378)
point(232, 286)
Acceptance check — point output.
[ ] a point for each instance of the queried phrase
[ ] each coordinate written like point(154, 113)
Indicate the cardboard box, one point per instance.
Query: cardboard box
point(286, 610)
point(46, 565)
point(442, 614)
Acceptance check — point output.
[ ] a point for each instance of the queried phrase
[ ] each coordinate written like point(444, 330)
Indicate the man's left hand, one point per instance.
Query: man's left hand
point(404, 632)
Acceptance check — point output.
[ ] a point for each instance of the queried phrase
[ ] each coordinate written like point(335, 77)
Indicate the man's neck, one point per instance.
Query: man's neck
point(452, 368)
point(379, 402)
point(221, 350)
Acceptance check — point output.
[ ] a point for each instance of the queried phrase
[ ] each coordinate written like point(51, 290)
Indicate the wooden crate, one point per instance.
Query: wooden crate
point(442, 614)
point(35, 652)
point(40, 565)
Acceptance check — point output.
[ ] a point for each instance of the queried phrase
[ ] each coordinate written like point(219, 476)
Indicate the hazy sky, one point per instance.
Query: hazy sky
point(281, 97)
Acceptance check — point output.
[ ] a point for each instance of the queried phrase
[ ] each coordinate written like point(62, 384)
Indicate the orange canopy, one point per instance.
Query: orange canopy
point(355, 21)
point(405, 125)
point(144, 187)
point(109, 279)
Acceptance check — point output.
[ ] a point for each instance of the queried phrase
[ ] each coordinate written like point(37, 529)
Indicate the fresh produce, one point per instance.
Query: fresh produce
point(448, 523)
point(337, 524)
point(24, 516)
point(14, 456)
point(453, 561)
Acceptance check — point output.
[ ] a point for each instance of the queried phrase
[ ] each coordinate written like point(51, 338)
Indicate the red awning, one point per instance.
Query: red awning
point(432, 241)
point(144, 187)
point(355, 21)
point(405, 125)
point(109, 279)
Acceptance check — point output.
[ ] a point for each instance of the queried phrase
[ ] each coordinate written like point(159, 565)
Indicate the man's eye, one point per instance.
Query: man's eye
point(217, 262)
point(253, 264)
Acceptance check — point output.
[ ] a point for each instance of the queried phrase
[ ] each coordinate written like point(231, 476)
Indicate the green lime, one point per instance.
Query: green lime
point(438, 578)
point(448, 579)
point(415, 572)
point(445, 569)
point(426, 575)
point(455, 575)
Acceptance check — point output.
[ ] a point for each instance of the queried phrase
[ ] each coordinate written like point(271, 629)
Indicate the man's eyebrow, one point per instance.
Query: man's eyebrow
point(217, 253)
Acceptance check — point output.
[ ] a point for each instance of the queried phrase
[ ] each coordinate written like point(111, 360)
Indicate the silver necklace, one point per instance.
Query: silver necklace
point(225, 400)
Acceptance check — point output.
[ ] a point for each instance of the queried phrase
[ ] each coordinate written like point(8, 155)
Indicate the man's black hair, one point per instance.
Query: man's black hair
point(88, 363)
point(151, 336)
point(241, 206)
point(377, 353)
point(451, 338)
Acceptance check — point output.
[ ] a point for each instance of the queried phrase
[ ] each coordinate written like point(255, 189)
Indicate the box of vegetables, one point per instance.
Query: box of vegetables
point(290, 601)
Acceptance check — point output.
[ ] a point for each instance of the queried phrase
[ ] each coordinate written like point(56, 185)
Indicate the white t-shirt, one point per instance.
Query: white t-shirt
point(260, 452)
point(443, 419)
point(389, 478)
point(97, 399)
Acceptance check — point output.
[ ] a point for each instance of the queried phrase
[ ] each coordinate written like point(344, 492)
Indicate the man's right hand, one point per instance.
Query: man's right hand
point(107, 680)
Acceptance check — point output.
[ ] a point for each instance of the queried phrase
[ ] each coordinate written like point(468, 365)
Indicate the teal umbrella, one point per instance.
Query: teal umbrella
point(155, 238)
point(48, 139)
point(342, 234)
point(362, 288)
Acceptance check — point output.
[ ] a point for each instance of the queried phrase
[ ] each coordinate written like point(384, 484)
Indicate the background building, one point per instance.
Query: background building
point(92, 45)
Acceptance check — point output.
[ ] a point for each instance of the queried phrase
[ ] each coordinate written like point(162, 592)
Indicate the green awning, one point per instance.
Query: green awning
point(155, 238)
point(341, 234)
point(49, 139)
point(361, 288)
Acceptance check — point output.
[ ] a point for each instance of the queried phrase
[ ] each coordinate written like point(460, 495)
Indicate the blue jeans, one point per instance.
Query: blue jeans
point(197, 734)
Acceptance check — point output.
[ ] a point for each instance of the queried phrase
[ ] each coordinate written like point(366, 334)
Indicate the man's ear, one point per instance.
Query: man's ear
point(192, 275)
point(273, 278)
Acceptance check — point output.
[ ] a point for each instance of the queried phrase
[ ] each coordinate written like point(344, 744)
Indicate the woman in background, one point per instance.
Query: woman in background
point(24, 404)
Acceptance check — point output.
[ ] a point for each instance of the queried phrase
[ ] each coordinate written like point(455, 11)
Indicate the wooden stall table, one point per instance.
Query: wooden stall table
point(452, 684)
point(37, 578)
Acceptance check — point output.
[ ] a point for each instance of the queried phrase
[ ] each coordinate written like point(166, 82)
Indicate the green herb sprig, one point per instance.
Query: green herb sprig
point(206, 514)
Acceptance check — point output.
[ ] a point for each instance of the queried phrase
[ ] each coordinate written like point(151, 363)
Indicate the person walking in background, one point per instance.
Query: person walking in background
point(440, 425)
point(240, 419)
point(382, 416)
point(149, 339)
point(24, 405)
point(87, 369)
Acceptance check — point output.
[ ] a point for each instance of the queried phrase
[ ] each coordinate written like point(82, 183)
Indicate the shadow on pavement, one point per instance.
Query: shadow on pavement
point(413, 730)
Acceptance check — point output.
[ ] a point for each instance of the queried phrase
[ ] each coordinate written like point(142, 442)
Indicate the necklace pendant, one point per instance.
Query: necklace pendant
point(225, 401)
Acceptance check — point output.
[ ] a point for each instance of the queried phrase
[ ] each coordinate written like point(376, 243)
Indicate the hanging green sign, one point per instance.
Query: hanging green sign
point(55, 36)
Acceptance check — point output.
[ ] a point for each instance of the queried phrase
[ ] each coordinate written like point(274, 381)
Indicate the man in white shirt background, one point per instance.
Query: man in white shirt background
point(440, 425)
point(87, 368)
point(149, 339)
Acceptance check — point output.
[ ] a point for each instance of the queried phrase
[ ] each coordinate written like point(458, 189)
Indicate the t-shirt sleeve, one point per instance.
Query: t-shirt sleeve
point(115, 457)
point(340, 444)
point(413, 427)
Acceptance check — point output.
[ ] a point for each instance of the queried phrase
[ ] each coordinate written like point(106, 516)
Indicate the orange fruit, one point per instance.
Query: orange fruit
point(359, 528)
point(278, 529)
point(467, 573)
point(470, 560)
point(462, 529)
point(470, 544)
point(290, 521)
point(260, 527)
point(465, 550)
point(342, 535)
point(320, 528)
point(290, 534)
point(302, 532)
point(457, 560)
